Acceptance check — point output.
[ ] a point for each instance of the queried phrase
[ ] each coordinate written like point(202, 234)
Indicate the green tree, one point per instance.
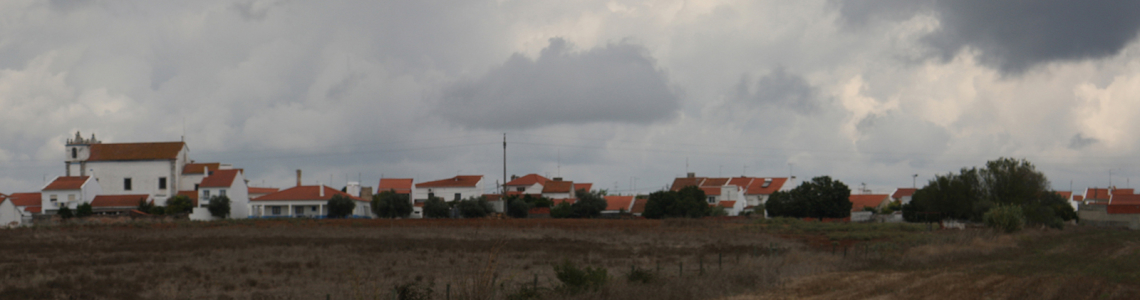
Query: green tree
point(219, 206)
point(821, 197)
point(518, 208)
point(589, 204)
point(65, 212)
point(689, 202)
point(340, 206)
point(157, 210)
point(971, 193)
point(84, 210)
point(179, 204)
point(435, 207)
point(389, 204)
point(474, 207)
point(145, 206)
point(780, 204)
point(562, 211)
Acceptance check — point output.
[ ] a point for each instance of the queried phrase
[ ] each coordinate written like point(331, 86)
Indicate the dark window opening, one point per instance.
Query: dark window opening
point(162, 183)
point(74, 153)
point(457, 196)
point(126, 184)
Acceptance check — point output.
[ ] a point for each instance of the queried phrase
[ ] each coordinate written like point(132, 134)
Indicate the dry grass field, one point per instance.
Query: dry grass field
point(513, 259)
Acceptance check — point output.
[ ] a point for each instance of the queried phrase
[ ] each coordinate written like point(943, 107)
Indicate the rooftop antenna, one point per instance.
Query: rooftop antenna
point(559, 166)
point(745, 174)
point(504, 186)
point(686, 164)
point(914, 181)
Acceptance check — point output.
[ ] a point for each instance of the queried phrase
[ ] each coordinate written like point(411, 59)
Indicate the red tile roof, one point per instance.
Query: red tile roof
point(136, 151)
point(711, 191)
point(758, 188)
point(26, 199)
point(557, 187)
point(1124, 204)
point(528, 180)
point(400, 185)
point(304, 193)
point(492, 197)
point(741, 181)
point(193, 195)
point(1096, 194)
point(118, 200)
point(220, 178)
point(727, 204)
point(559, 201)
point(33, 209)
point(715, 181)
point(638, 206)
point(583, 186)
point(1124, 199)
point(1078, 198)
point(457, 181)
point(903, 192)
point(618, 202)
point(200, 168)
point(682, 182)
point(1123, 191)
point(858, 202)
point(66, 183)
point(262, 190)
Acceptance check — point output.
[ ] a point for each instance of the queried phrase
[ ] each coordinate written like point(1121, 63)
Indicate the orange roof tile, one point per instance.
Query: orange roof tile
point(262, 190)
point(858, 202)
point(1096, 194)
point(711, 191)
point(26, 199)
point(66, 183)
point(200, 168)
point(136, 151)
point(1123, 191)
point(33, 209)
point(220, 178)
point(583, 186)
point(528, 180)
point(903, 192)
point(557, 187)
point(727, 204)
point(492, 197)
point(715, 182)
point(1124, 199)
point(758, 186)
point(400, 185)
point(193, 195)
point(618, 202)
point(682, 182)
point(741, 181)
point(304, 193)
point(638, 206)
point(457, 181)
point(118, 200)
point(1078, 198)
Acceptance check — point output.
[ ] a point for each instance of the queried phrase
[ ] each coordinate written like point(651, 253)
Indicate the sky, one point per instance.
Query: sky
point(624, 94)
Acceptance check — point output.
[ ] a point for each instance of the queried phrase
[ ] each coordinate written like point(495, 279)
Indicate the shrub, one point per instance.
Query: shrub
point(518, 208)
point(389, 204)
point(1007, 218)
point(157, 210)
point(589, 204)
point(413, 291)
point(436, 208)
point(219, 206)
point(562, 210)
point(144, 206)
point(474, 207)
point(575, 280)
point(718, 212)
point(84, 210)
point(340, 206)
point(65, 212)
point(639, 275)
point(179, 204)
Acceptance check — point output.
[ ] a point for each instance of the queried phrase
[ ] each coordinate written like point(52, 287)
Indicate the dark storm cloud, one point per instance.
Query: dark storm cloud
point(1014, 36)
point(781, 89)
point(617, 83)
point(1079, 141)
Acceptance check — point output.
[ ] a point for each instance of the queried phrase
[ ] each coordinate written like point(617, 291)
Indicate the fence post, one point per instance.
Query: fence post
point(701, 264)
point(720, 261)
point(448, 294)
point(680, 268)
point(536, 282)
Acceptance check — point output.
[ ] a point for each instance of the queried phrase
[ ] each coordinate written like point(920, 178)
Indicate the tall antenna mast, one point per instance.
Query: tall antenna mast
point(559, 165)
point(504, 186)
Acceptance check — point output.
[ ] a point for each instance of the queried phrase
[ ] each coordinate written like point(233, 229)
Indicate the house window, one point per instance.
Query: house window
point(276, 210)
point(314, 208)
point(457, 196)
point(70, 197)
point(299, 210)
point(126, 184)
point(74, 153)
point(712, 199)
point(195, 186)
point(221, 193)
point(520, 189)
point(53, 199)
point(206, 194)
point(162, 183)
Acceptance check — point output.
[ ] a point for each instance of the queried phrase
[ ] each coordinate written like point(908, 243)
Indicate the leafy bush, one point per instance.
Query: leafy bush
point(589, 204)
point(340, 206)
point(822, 197)
point(474, 207)
point(144, 206)
point(65, 212)
point(413, 291)
point(1007, 218)
point(157, 210)
point(639, 275)
point(436, 208)
point(389, 204)
point(718, 211)
point(179, 204)
point(518, 208)
point(219, 206)
point(575, 280)
point(689, 202)
point(84, 210)
point(562, 210)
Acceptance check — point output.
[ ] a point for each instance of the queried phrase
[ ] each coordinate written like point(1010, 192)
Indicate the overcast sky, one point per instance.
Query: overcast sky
point(618, 93)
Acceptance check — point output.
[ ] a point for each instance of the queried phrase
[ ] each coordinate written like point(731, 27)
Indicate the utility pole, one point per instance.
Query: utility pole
point(914, 182)
point(503, 188)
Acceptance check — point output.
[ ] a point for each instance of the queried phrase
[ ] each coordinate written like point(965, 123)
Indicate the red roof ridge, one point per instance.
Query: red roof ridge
point(66, 183)
point(135, 151)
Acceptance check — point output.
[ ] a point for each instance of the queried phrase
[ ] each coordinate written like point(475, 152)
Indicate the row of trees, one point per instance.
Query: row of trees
point(820, 198)
point(1013, 184)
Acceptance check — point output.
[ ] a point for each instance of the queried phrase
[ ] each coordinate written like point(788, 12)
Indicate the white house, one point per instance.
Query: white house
point(28, 204)
point(229, 183)
point(255, 192)
point(194, 172)
point(303, 201)
point(557, 189)
point(70, 191)
point(129, 168)
point(10, 216)
point(451, 189)
point(529, 184)
point(751, 191)
point(903, 195)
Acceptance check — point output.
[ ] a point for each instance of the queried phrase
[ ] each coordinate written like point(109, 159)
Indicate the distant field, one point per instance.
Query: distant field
point(505, 259)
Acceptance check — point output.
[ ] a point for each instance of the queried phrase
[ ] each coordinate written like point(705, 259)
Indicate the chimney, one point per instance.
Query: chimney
point(321, 189)
point(205, 171)
point(692, 174)
point(298, 177)
point(557, 178)
point(513, 176)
